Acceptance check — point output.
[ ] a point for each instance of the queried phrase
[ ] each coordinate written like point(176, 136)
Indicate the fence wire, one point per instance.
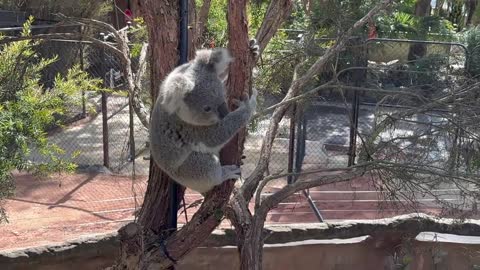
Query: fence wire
point(86, 135)
point(323, 132)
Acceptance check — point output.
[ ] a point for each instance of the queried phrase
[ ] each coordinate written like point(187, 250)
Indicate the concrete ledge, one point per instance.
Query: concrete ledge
point(309, 243)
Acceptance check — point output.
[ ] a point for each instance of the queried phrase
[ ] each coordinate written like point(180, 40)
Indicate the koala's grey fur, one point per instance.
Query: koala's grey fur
point(190, 122)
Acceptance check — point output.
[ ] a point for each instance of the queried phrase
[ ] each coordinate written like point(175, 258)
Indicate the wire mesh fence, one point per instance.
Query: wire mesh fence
point(95, 132)
point(426, 71)
point(329, 129)
point(323, 132)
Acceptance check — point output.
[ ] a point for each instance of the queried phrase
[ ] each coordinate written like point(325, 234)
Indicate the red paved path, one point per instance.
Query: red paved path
point(68, 206)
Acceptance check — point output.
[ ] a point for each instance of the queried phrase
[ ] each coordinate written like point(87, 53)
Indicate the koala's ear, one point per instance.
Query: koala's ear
point(173, 90)
point(219, 58)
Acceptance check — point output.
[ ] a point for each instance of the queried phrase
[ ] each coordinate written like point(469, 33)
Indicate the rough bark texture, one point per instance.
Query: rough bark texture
point(276, 14)
point(163, 58)
point(201, 22)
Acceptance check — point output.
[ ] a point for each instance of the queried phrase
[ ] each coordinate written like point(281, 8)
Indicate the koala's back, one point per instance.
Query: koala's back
point(169, 146)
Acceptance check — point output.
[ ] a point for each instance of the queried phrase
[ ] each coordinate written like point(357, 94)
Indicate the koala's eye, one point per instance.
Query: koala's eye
point(207, 108)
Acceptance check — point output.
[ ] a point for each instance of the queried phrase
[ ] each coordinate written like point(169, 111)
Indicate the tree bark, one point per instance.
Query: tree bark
point(418, 50)
point(471, 8)
point(201, 22)
point(277, 12)
point(163, 58)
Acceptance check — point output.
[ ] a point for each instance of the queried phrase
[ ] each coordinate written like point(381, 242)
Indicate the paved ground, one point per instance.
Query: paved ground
point(68, 206)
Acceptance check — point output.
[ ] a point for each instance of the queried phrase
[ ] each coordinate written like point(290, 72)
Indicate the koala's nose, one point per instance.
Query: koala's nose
point(222, 110)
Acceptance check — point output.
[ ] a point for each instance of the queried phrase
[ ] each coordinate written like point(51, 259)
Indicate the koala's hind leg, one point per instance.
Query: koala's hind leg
point(202, 171)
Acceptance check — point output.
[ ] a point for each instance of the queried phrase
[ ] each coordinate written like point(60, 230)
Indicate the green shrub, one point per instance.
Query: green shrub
point(27, 109)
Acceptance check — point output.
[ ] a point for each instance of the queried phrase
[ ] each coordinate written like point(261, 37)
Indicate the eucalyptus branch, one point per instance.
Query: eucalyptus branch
point(139, 107)
point(63, 36)
point(349, 173)
point(331, 85)
point(96, 23)
point(267, 179)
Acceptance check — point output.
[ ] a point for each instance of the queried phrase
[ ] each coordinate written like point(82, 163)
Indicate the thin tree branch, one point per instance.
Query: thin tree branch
point(201, 23)
point(276, 13)
point(62, 36)
point(142, 112)
point(277, 176)
point(274, 199)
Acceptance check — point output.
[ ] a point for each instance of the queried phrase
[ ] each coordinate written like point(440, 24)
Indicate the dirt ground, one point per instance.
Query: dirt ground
point(65, 207)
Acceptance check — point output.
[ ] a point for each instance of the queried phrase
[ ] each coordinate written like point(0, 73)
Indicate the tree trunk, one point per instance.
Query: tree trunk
point(251, 256)
point(201, 23)
point(471, 8)
point(439, 7)
point(418, 50)
point(240, 81)
point(251, 252)
point(163, 58)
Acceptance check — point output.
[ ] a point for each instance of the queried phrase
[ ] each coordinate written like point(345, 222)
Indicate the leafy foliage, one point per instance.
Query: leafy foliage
point(472, 40)
point(27, 109)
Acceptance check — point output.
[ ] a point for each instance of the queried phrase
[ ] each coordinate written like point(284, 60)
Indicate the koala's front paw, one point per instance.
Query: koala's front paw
point(246, 103)
point(231, 172)
point(254, 47)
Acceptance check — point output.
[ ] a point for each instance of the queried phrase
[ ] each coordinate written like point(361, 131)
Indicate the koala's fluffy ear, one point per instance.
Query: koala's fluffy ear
point(218, 57)
point(173, 90)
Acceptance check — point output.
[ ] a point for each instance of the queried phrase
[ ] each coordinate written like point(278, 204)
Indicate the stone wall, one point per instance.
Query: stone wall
point(287, 249)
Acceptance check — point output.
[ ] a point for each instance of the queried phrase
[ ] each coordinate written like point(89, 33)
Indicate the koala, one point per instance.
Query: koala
point(191, 122)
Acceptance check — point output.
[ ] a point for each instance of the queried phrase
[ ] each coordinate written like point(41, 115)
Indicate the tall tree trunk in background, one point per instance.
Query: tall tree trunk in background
point(201, 22)
point(439, 7)
point(456, 15)
point(471, 9)
point(418, 50)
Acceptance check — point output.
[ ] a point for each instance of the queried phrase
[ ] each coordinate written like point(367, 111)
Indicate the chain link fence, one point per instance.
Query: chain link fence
point(96, 132)
point(322, 132)
point(326, 129)
point(424, 69)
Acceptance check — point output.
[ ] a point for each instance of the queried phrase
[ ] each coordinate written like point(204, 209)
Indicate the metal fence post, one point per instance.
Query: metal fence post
point(82, 67)
point(358, 77)
point(106, 159)
point(291, 143)
point(131, 127)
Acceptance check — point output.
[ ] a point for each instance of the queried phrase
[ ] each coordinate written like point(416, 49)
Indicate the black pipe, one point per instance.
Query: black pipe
point(183, 50)
point(183, 31)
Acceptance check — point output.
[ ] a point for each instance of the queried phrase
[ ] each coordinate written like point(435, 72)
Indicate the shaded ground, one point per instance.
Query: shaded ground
point(68, 206)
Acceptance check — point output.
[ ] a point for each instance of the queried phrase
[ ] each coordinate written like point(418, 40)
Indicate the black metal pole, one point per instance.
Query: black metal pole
point(183, 49)
point(353, 130)
point(82, 67)
point(291, 143)
point(106, 156)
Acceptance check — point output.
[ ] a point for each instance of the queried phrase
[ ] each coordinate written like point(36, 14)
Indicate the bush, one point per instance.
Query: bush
point(27, 109)
point(472, 40)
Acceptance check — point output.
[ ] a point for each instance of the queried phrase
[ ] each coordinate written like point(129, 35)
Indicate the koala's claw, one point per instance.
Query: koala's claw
point(254, 47)
point(237, 102)
point(231, 172)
